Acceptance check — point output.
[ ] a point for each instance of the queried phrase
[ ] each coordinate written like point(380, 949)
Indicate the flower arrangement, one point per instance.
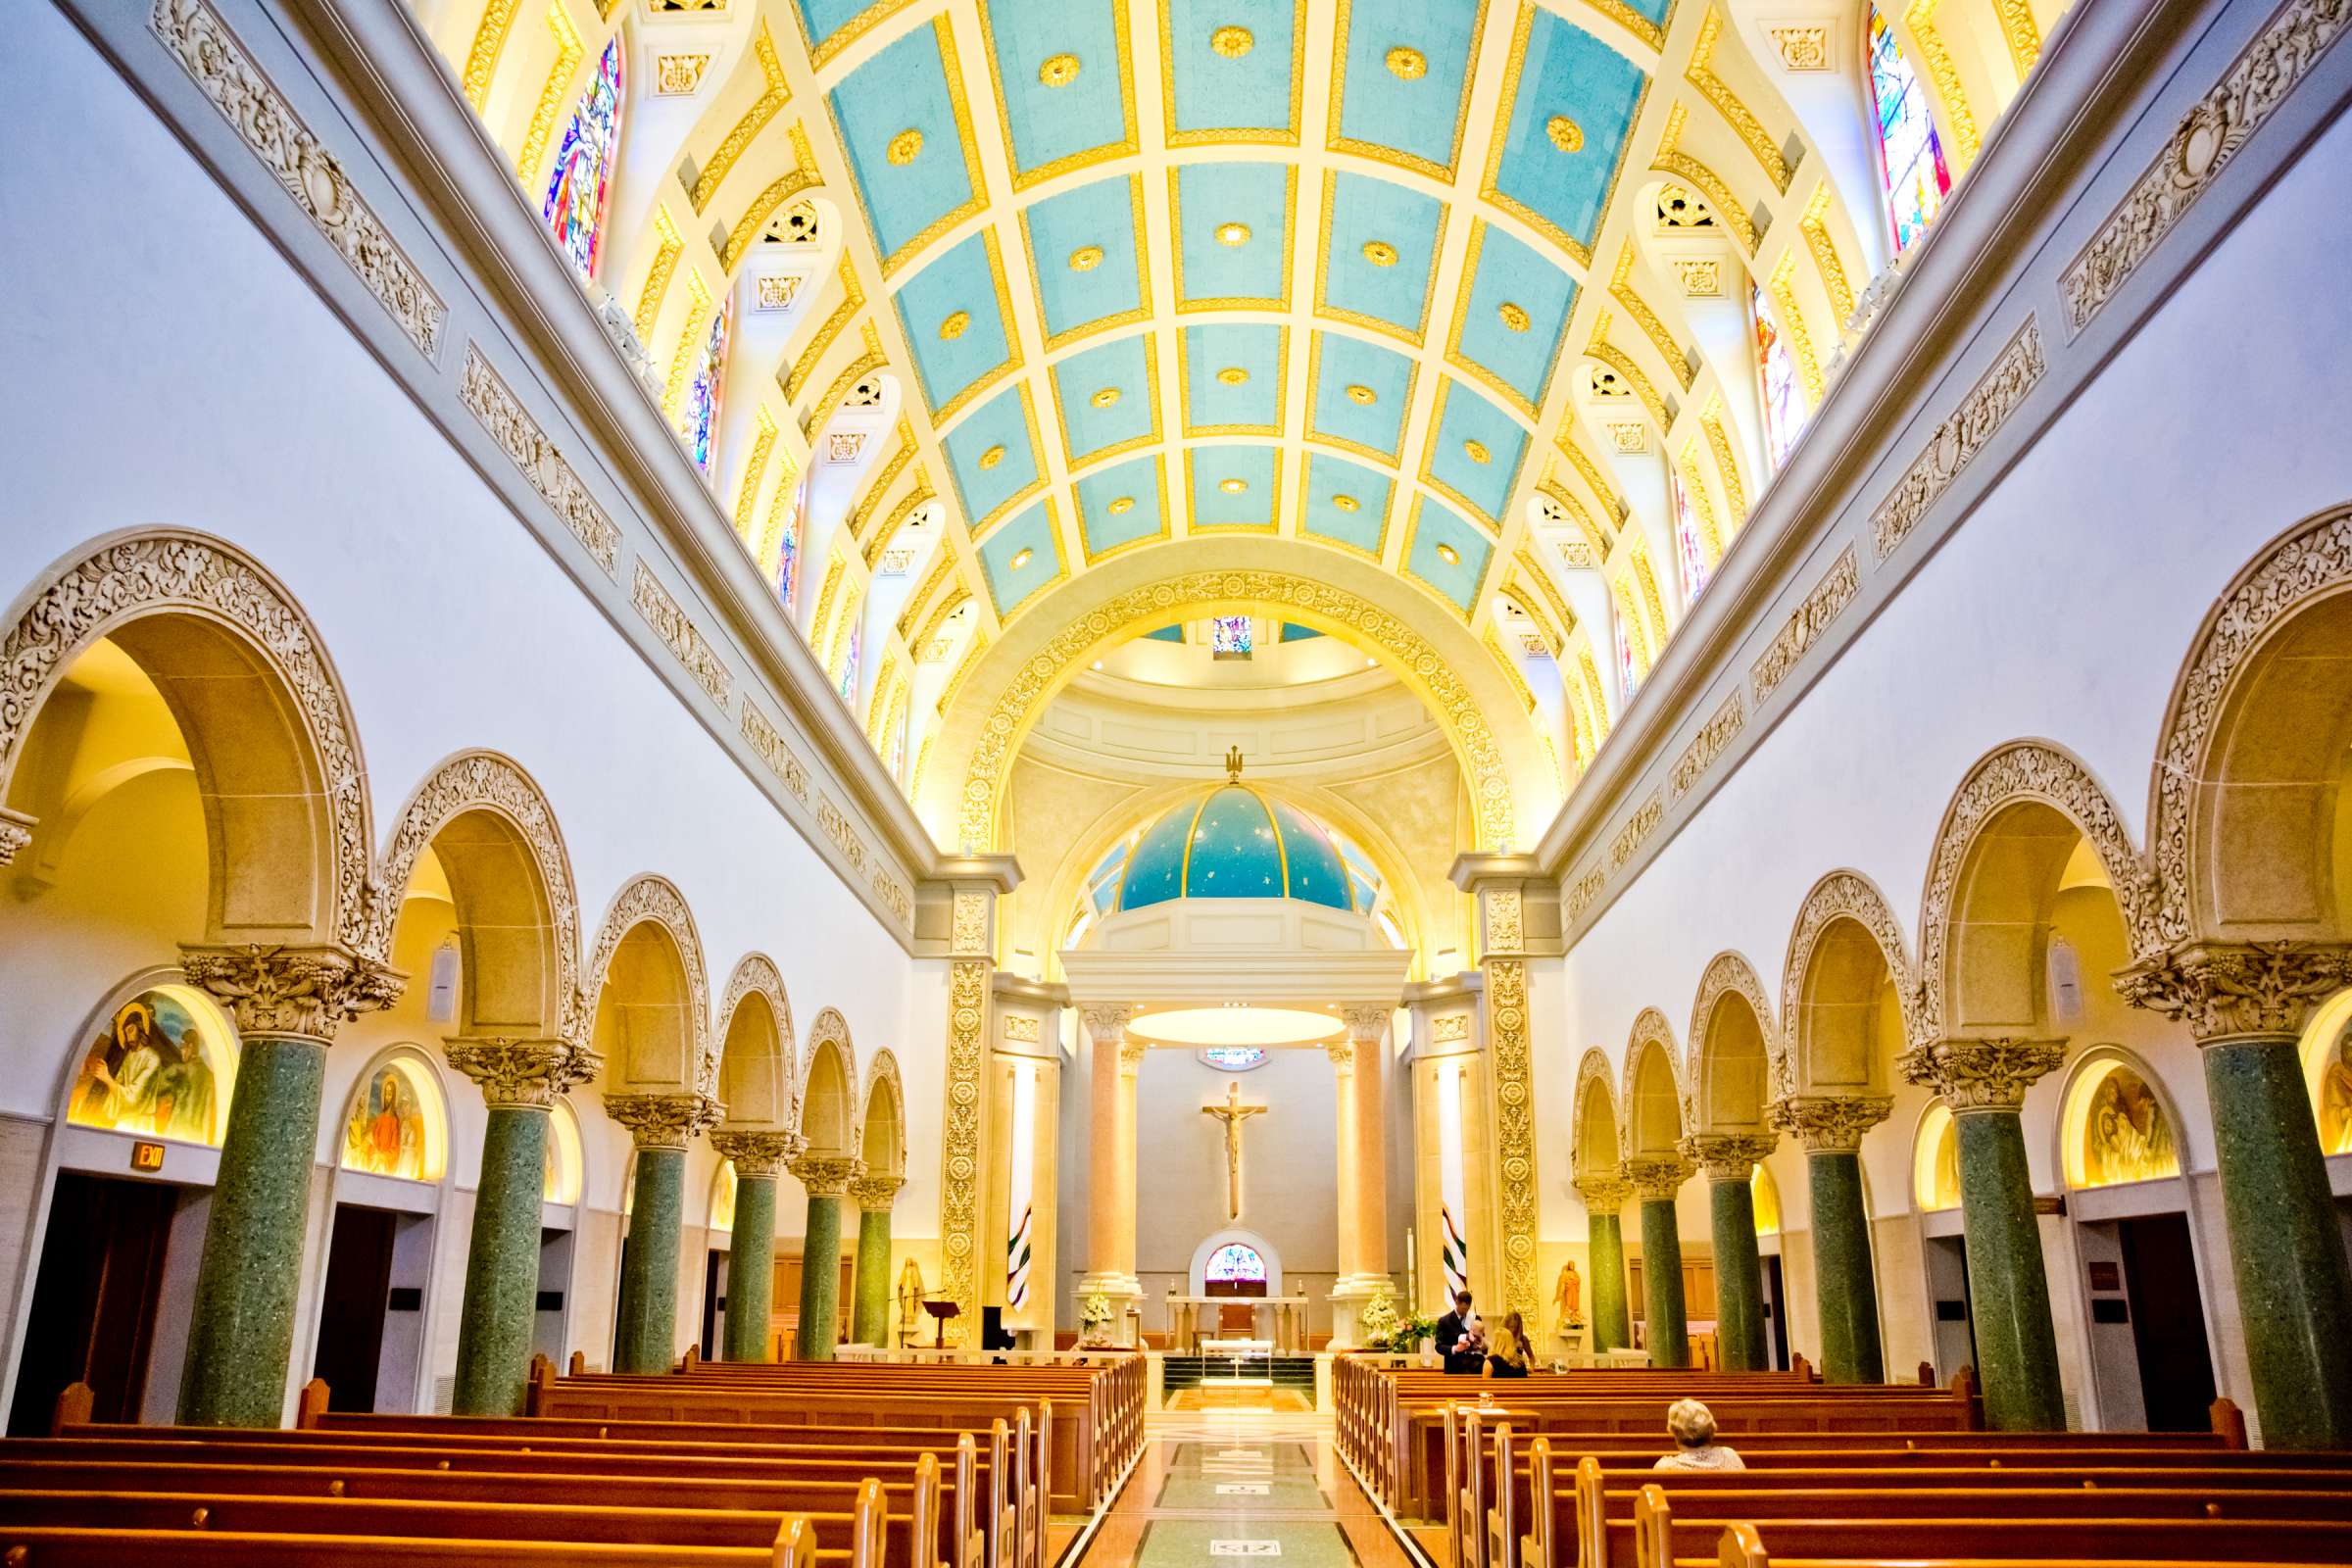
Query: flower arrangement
point(1410, 1330)
point(1377, 1322)
point(1095, 1310)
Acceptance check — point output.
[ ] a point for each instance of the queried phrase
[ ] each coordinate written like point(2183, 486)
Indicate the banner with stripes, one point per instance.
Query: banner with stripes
point(1452, 1210)
point(1019, 1215)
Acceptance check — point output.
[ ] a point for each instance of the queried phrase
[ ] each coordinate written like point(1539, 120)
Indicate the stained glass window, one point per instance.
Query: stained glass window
point(1232, 1059)
point(1229, 637)
point(898, 741)
point(576, 193)
point(700, 424)
point(788, 548)
point(1690, 551)
point(1783, 409)
point(1911, 158)
point(849, 664)
point(1234, 1262)
point(1627, 679)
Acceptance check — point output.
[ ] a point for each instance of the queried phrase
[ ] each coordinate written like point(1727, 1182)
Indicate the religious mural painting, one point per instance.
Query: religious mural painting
point(161, 1068)
point(2120, 1132)
point(392, 1129)
point(2328, 1056)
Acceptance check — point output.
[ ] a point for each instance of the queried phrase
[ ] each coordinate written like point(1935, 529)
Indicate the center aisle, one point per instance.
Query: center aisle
point(1218, 1485)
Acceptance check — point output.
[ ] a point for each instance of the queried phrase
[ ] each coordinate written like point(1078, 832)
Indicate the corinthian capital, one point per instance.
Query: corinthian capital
point(663, 1121)
point(827, 1175)
point(874, 1192)
point(1982, 1074)
point(758, 1151)
point(1343, 1056)
point(521, 1072)
point(15, 831)
point(309, 992)
point(1366, 1025)
point(1603, 1191)
point(1729, 1157)
point(1106, 1025)
point(1658, 1177)
point(2230, 991)
point(1829, 1124)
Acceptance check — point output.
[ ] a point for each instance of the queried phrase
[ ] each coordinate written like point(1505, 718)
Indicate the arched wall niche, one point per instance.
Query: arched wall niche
point(1217, 1242)
point(882, 1119)
point(204, 1048)
point(1847, 999)
point(1599, 1151)
point(2116, 1123)
point(646, 975)
point(1653, 1091)
point(757, 1076)
point(829, 1089)
point(395, 1120)
point(263, 717)
point(1731, 1047)
point(1935, 1160)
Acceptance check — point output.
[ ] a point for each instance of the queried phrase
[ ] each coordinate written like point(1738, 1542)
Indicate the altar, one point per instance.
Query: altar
point(1277, 1323)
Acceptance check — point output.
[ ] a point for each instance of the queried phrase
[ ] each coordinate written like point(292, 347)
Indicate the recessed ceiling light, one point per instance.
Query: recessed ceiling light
point(954, 326)
point(1360, 393)
point(903, 147)
point(1476, 452)
point(1406, 64)
point(1380, 253)
point(1446, 552)
point(1060, 71)
point(1020, 556)
point(1086, 258)
point(1098, 664)
point(990, 458)
point(1233, 487)
point(1233, 233)
point(1105, 397)
point(1369, 662)
point(1233, 376)
point(1123, 506)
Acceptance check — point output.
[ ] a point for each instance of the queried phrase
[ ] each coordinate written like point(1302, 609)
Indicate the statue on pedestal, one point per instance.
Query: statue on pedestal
point(1568, 1298)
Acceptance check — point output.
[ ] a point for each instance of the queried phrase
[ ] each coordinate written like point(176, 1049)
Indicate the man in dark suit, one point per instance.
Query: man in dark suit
point(1453, 1325)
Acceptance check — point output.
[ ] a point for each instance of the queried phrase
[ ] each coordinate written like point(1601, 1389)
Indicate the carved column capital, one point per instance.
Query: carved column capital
point(1366, 1025)
point(2230, 991)
point(663, 1121)
point(521, 1072)
point(757, 1151)
point(1729, 1157)
point(1131, 1056)
point(1603, 1191)
point(1105, 1022)
point(874, 1192)
point(1982, 1074)
point(827, 1175)
point(1343, 1056)
point(1658, 1177)
point(15, 831)
point(309, 992)
point(1829, 1124)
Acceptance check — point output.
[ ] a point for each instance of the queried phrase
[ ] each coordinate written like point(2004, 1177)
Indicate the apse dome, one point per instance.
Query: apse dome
point(1234, 843)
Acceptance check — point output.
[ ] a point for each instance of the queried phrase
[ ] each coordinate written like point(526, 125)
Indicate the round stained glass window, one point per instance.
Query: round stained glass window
point(1232, 1059)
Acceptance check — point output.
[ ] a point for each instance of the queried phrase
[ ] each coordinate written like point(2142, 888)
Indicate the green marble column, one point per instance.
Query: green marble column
point(502, 1271)
point(1730, 1162)
point(1831, 1127)
point(870, 1315)
point(1612, 1313)
point(2009, 1293)
point(661, 1124)
point(1658, 1178)
point(287, 1003)
point(758, 1156)
point(827, 1181)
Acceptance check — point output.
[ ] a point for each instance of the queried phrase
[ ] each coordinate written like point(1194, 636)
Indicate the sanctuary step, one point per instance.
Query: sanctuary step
point(1282, 1371)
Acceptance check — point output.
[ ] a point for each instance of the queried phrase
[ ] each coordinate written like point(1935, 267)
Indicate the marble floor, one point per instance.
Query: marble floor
point(1214, 1485)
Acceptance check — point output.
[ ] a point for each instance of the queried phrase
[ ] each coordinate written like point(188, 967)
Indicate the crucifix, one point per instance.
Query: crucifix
point(1233, 1113)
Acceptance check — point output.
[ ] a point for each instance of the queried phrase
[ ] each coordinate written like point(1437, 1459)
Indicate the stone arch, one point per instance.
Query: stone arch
point(2247, 803)
point(1599, 1148)
point(518, 916)
point(248, 681)
point(757, 1076)
point(1654, 1088)
point(882, 1119)
point(647, 981)
point(829, 1089)
point(1844, 949)
point(1732, 1048)
point(1985, 912)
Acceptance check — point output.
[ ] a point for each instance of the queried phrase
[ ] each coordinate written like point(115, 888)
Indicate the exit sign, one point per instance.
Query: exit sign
point(146, 1156)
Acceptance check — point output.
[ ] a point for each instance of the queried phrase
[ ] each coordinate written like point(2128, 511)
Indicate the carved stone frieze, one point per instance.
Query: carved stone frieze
point(773, 754)
point(1801, 46)
point(1451, 1027)
point(1990, 1073)
point(1505, 910)
point(2231, 991)
point(1828, 1123)
point(521, 1072)
point(1658, 1177)
point(757, 1151)
point(663, 1121)
point(827, 1175)
point(216, 61)
point(967, 935)
point(1707, 745)
point(549, 473)
point(1954, 443)
point(875, 1192)
point(1022, 1029)
point(1512, 1054)
point(305, 991)
point(680, 635)
point(959, 1144)
point(1806, 624)
point(1729, 1157)
point(2298, 35)
point(1839, 896)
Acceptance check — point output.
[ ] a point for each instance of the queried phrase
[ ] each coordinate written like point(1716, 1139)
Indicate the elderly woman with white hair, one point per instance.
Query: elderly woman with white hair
point(1695, 1448)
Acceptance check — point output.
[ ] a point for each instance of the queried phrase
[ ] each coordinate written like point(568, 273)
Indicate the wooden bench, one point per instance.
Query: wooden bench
point(96, 1547)
point(1784, 1544)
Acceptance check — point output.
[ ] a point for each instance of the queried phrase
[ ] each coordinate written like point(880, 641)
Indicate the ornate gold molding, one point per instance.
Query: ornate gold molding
point(874, 1193)
point(1736, 113)
point(768, 745)
point(2234, 991)
point(1954, 443)
point(518, 435)
point(1512, 1054)
point(522, 1072)
point(771, 101)
point(306, 991)
point(968, 979)
point(1707, 745)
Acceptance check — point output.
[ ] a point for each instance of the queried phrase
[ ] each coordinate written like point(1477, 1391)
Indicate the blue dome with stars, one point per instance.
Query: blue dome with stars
point(1234, 843)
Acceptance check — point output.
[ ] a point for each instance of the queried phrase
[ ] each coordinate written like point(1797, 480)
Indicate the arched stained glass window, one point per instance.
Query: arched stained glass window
point(898, 740)
point(576, 193)
point(1783, 409)
point(700, 423)
point(849, 662)
point(1627, 678)
point(1235, 1261)
point(1232, 1059)
point(788, 546)
point(1690, 550)
point(1910, 156)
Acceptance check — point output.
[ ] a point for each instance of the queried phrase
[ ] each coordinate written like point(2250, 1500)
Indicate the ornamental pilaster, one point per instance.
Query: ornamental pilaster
point(307, 992)
point(875, 1193)
point(2237, 990)
point(15, 831)
point(521, 1072)
point(663, 1121)
point(826, 1175)
point(1658, 1177)
point(1729, 1157)
point(1603, 1191)
point(1829, 1124)
point(757, 1151)
point(1989, 1073)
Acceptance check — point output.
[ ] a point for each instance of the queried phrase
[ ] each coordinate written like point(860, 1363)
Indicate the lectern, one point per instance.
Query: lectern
point(940, 1312)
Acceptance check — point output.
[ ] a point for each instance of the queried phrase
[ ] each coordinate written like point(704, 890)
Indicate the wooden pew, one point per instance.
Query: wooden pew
point(98, 1547)
point(1784, 1543)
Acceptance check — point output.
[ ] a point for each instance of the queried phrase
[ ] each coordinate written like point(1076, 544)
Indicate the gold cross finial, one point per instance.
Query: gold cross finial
point(1233, 764)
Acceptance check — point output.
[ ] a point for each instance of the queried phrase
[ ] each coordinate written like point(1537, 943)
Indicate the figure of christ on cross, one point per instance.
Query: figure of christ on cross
point(1233, 1113)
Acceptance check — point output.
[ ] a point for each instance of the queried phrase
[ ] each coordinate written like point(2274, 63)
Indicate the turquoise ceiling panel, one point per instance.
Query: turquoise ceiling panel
point(1381, 250)
point(1518, 309)
point(1569, 75)
point(1234, 487)
point(950, 313)
point(1031, 540)
point(1233, 376)
point(1345, 502)
point(1085, 258)
point(1234, 853)
point(1061, 82)
point(1213, 272)
point(1214, 93)
point(1120, 505)
point(1413, 106)
point(1360, 394)
point(905, 88)
point(821, 19)
point(1107, 398)
point(1167, 634)
point(986, 484)
point(1438, 531)
point(1475, 454)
